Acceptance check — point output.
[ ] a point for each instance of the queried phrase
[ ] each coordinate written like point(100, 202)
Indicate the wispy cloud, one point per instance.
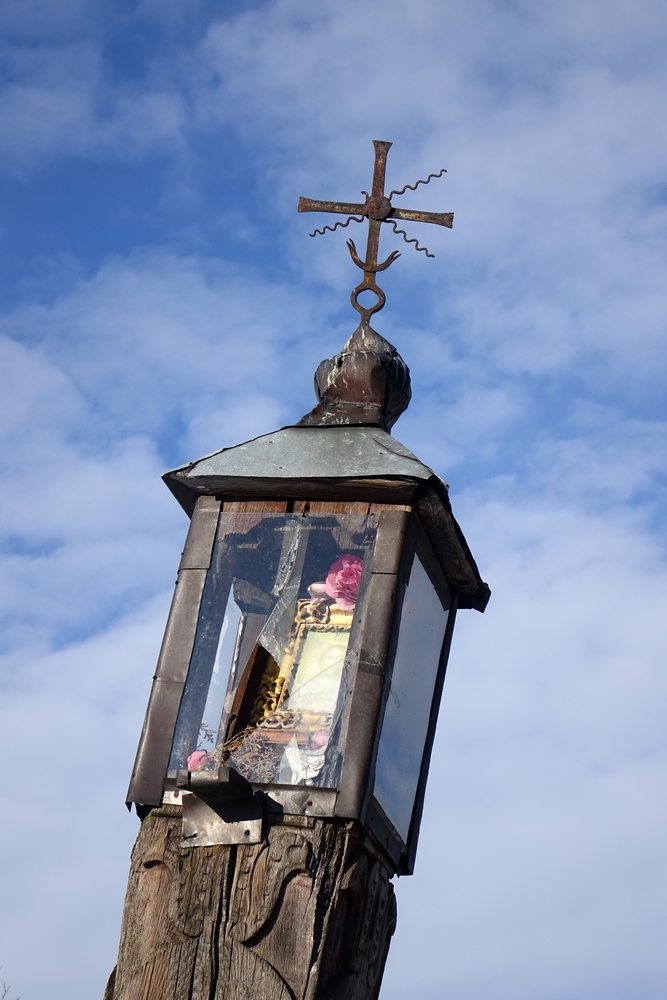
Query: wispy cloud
point(536, 341)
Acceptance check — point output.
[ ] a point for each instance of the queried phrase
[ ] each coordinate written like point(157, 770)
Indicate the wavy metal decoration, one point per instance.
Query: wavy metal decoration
point(377, 208)
point(339, 225)
point(402, 232)
point(413, 187)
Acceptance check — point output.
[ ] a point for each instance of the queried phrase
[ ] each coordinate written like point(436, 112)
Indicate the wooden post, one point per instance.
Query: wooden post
point(305, 915)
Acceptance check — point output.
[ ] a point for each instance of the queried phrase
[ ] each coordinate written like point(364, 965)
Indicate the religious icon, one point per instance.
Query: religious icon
point(309, 681)
point(270, 704)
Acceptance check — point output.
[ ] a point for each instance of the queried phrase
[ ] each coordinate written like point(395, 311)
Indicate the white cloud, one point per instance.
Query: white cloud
point(117, 380)
point(56, 102)
point(553, 141)
point(536, 340)
point(68, 728)
point(551, 742)
point(540, 871)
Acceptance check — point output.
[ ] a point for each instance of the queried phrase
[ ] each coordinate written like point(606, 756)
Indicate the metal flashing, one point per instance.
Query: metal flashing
point(211, 822)
point(306, 453)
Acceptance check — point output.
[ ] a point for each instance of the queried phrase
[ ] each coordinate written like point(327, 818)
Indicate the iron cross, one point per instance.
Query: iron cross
point(377, 209)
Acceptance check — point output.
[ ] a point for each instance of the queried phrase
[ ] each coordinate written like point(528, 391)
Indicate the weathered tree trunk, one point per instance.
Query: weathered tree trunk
point(305, 915)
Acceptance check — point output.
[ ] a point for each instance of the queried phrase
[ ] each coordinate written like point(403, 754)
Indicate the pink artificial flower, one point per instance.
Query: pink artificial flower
point(196, 759)
point(320, 738)
point(342, 581)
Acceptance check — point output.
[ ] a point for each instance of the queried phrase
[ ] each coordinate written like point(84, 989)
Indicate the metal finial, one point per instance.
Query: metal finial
point(377, 209)
point(367, 383)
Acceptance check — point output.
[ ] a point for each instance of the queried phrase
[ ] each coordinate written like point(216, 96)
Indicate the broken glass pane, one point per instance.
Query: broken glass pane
point(264, 691)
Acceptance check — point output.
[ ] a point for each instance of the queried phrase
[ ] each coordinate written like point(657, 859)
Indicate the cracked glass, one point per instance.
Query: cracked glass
point(265, 691)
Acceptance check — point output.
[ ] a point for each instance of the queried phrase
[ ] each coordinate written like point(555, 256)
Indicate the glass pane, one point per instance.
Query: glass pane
point(263, 692)
point(405, 724)
point(217, 692)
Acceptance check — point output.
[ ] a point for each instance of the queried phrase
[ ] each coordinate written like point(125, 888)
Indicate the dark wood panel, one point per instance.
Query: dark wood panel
point(179, 635)
point(172, 668)
point(395, 491)
point(377, 508)
point(391, 530)
point(252, 505)
point(339, 507)
point(373, 640)
point(201, 536)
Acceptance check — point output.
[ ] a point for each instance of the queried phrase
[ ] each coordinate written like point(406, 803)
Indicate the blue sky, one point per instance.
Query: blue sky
point(161, 298)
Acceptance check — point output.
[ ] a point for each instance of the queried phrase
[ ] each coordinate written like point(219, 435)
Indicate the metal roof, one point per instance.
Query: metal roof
point(311, 453)
point(338, 462)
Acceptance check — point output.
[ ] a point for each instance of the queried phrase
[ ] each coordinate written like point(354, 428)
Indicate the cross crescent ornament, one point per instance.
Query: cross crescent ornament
point(377, 209)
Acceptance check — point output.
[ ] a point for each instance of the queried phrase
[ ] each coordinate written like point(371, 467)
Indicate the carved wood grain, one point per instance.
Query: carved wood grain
point(305, 915)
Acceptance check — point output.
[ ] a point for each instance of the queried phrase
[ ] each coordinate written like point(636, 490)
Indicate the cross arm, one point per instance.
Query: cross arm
point(407, 215)
point(341, 207)
point(354, 208)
